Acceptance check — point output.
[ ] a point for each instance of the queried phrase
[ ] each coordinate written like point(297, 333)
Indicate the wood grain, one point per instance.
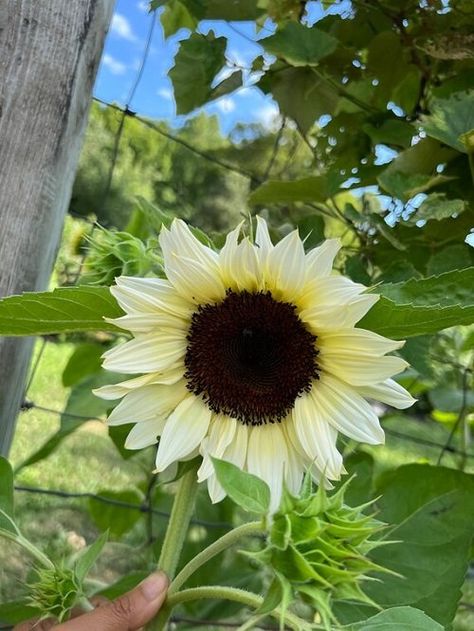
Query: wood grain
point(49, 54)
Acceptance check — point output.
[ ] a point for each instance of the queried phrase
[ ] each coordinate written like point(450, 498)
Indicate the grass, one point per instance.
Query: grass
point(87, 461)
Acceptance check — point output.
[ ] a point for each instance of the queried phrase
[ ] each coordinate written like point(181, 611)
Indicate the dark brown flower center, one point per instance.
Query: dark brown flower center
point(250, 357)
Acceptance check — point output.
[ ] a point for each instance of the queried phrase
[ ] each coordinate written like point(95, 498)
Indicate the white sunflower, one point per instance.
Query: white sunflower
point(250, 355)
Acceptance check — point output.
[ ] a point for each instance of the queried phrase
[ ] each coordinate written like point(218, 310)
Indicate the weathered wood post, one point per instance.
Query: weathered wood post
point(49, 54)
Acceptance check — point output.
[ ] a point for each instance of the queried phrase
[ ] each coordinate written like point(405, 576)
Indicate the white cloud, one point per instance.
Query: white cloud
point(114, 65)
point(165, 93)
point(268, 115)
point(120, 26)
point(143, 5)
point(225, 105)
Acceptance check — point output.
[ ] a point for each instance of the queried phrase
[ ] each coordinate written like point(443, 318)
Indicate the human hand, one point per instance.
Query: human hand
point(127, 613)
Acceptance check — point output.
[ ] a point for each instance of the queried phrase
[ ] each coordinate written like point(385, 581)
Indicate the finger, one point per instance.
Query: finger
point(35, 625)
point(128, 613)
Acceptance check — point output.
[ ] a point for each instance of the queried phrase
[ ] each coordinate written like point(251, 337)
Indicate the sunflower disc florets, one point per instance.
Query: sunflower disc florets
point(317, 547)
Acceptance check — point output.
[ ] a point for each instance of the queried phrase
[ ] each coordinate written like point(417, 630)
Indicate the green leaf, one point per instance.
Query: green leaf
point(450, 258)
point(451, 399)
point(176, 16)
point(300, 95)
point(398, 619)
point(89, 556)
point(451, 120)
point(272, 598)
point(309, 189)
point(361, 466)
point(14, 612)
point(82, 405)
point(300, 45)
point(407, 92)
point(390, 132)
point(311, 230)
point(198, 61)
point(63, 310)
point(228, 85)
point(84, 361)
point(245, 489)
point(406, 185)
point(417, 353)
point(432, 509)
point(116, 519)
point(437, 206)
point(423, 306)
point(6, 494)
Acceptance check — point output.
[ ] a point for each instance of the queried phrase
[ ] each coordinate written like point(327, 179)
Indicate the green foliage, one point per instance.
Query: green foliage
point(300, 45)
point(398, 618)
point(85, 360)
point(433, 509)
point(245, 489)
point(6, 494)
point(311, 189)
point(113, 518)
point(423, 306)
point(198, 61)
point(89, 556)
point(61, 311)
point(452, 120)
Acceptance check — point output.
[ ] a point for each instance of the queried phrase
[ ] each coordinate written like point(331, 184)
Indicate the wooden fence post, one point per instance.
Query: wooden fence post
point(49, 54)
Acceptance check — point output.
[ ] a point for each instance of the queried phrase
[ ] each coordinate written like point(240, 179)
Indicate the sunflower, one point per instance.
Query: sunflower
point(250, 355)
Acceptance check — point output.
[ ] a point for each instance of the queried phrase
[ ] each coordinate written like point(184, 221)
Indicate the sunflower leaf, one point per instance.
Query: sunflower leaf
point(407, 618)
point(89, 556)
point(245, 489)
point(423, 306)
point(63, 310)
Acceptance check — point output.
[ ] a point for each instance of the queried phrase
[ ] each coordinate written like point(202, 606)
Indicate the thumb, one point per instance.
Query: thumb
point(127, 613)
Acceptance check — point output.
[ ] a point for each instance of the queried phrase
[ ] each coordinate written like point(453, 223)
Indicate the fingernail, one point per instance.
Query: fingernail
point(154, 585)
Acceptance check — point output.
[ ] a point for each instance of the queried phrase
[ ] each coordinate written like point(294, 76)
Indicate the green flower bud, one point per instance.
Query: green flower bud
point(113, 253)
point(54, 592)
point(317, 547)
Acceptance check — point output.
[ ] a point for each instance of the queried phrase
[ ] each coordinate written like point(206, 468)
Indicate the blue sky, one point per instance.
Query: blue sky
point(154, 97)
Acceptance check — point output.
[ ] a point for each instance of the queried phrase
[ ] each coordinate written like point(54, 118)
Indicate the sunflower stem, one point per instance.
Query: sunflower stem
point(224, 542)
point(183, 507)
point(219, 592)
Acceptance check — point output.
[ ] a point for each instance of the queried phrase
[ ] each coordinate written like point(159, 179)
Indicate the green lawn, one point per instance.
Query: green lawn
point(87, 461)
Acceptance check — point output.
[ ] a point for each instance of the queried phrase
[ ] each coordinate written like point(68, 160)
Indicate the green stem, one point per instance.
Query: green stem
point(180, 517)
point(237, 595)
point(176, 531)
point(29, 547)
point(226, 541)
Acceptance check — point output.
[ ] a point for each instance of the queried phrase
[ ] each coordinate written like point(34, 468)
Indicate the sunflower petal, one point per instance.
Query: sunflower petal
point(144, 434)
point(267, 458)
point(184, 430)
point(152, 352)
point(342, 407)
point(316, 436)
point(389, 392)
point(221, 433)
point(285, 270)
point(148, 402)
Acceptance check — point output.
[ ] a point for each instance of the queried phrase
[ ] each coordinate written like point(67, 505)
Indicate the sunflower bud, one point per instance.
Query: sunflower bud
point(114, 253)
point(54, 592)
point(317, 547)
